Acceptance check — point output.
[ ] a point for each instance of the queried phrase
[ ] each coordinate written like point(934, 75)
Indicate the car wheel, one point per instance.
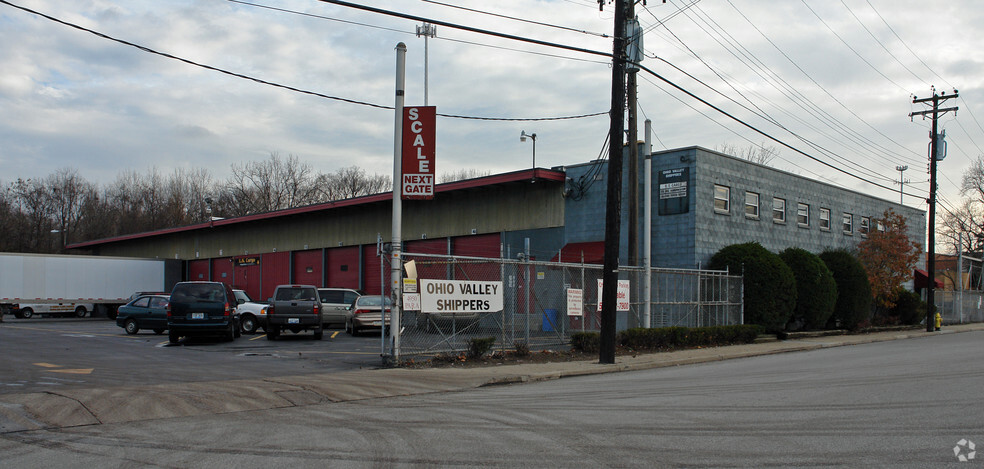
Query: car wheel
point(131, 326)
point(158, 331)
point(80, 312)
point(230, 334)
point(272, 333)
point(237, 331)
point(26, 313)
point(319, 334)
point(173, 337)
point(249, 324)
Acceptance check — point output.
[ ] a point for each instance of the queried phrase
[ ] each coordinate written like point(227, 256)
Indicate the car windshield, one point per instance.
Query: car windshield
point(373, 301)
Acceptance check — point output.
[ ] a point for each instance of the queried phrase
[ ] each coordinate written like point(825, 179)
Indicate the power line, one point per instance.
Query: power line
point(524, 20)
point(278, 85)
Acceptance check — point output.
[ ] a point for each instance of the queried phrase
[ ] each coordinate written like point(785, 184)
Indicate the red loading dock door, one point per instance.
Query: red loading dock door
point(343, 267)
point(428, 246)
point(222, 270)
point(307, 267)
point(486, 245)
point(371, 275)
point(593, 251)
point(198, 270)
point(247, 278)
point(276, 271)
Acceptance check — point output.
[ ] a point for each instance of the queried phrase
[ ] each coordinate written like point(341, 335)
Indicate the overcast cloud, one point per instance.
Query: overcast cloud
point(72, 99)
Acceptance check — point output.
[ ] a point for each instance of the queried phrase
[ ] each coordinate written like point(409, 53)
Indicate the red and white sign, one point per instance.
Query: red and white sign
point(419, 142)
point(621, 295)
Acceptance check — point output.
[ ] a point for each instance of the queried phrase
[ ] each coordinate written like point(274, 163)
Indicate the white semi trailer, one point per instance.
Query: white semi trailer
point(53, 284)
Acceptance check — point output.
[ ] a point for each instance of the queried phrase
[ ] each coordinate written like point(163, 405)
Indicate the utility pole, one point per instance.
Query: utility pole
point(933, 157)
point(902, 181)
point(613, 202)
point(632, 89)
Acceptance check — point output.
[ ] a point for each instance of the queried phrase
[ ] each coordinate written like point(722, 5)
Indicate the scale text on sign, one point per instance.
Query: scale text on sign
point(418, 140)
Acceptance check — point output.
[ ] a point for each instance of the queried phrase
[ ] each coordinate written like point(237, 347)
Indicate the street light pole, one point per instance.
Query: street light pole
point(522, 138)
point(901, 169)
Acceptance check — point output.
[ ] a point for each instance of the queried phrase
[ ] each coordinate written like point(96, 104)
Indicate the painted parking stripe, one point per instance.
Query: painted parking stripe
point(258, 337)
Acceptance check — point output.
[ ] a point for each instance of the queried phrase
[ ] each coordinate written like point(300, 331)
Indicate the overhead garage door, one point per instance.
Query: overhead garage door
point(342, 267)
point(307, 267)
point(198, 270)
point(276, 271)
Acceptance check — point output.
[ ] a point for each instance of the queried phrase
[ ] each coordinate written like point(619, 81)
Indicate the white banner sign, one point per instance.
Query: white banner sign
point(622, 296)
point(460, 296)
point(575, 302)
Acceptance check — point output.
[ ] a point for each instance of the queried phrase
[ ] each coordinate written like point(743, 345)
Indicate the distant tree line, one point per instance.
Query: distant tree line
point(45, 214)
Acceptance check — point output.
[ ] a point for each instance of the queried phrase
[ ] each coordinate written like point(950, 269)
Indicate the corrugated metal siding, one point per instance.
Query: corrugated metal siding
point(276, 271)
point(343, 267)
point(371, 276)
point(198, 269)
point(307, 267)
point(248, 278)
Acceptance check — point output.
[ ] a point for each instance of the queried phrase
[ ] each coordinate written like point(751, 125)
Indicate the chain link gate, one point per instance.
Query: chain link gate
point(535, 308)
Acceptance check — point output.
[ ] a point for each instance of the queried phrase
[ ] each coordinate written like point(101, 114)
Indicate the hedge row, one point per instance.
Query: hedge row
point(666, 338)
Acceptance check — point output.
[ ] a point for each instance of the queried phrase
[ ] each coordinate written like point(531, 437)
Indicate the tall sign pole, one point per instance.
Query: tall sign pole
point(613, 205)
point(396, 266)
point(934, 155)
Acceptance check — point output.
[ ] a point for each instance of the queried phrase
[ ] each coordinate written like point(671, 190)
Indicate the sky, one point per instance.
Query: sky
point(833, 79)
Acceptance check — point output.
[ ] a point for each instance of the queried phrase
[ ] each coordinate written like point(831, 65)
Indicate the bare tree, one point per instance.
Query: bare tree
point(34, 201)
point(69, 194)
point(273, 184)
point(350, 182)
point(760, 154)
point(463, 174)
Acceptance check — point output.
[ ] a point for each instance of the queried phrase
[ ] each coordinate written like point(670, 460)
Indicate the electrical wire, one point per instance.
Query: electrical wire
point(286, 87)
point(523, 20)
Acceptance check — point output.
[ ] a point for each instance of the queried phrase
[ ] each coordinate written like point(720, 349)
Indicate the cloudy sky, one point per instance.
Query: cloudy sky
point(835, 79)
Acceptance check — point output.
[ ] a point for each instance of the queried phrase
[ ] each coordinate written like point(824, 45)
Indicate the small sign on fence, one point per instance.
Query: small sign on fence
point(622, 296)
point(460, 296)
point(411, 301)
point(575, 302)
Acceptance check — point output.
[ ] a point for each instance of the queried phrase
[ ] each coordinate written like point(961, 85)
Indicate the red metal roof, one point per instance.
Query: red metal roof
point(496, 179)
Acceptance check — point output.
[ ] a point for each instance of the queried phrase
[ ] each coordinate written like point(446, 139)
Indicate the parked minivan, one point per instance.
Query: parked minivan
point(335, 303)
point(201, 309)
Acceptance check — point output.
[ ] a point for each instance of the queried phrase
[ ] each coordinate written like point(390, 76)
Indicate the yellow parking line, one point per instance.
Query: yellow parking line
point(47, 365)
point(258, 337)
point(335, 334)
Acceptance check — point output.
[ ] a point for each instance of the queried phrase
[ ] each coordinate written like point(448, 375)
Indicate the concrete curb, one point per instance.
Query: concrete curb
point(80, 407)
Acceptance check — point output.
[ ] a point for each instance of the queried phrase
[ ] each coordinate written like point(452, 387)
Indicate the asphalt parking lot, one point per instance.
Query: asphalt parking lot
point(43, 354)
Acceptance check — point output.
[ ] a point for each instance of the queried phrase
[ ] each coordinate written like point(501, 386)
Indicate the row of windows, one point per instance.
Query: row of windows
point(722, 204)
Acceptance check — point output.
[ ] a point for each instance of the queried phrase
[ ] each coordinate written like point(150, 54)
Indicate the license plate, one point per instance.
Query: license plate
point(197, 315)
point(293, 321)
point(377, 323)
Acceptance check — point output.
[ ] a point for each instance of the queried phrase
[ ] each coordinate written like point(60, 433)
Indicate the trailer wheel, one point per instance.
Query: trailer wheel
point(26, 313)
point(80, 312)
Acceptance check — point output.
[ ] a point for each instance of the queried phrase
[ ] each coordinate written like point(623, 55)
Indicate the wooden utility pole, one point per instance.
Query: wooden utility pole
point(614, 193)
point(934, 155)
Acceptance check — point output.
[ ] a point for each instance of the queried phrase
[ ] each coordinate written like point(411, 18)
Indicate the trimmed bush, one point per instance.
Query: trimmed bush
point(667, 338)
point(853, 304)
point(587, 342)
point(909, 308)
point(816, 290)
point(770, 289)
point(478, 347)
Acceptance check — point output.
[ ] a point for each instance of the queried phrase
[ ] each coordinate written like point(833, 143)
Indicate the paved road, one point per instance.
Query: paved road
point(46, 354)
point(903, 403)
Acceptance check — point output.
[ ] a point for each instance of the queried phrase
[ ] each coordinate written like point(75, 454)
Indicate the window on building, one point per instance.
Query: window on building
point(778, 210)
point(722, 199)
point(824, 218)
point(848, 223)
point(803, 214)
point(880, 226)
point(865, 226)
point(751, 205)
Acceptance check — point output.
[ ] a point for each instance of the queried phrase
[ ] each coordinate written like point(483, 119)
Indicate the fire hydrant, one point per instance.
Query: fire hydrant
point(938, 320)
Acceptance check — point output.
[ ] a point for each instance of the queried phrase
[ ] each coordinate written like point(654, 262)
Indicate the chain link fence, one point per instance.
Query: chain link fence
point(959, 307)
point(535, 306)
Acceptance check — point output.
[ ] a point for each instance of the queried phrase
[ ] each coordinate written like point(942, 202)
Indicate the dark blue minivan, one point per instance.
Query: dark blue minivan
point(202, 309)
